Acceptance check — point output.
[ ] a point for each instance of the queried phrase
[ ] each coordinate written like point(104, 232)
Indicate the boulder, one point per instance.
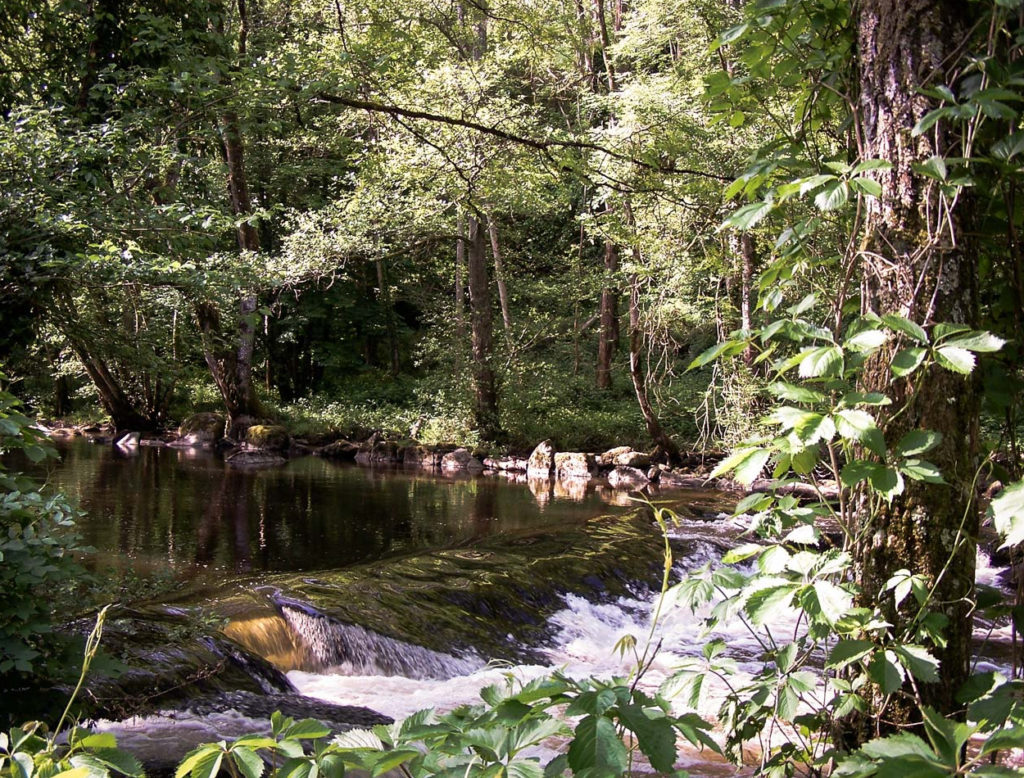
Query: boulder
point(201, 430)
point(460, 460)
point(541, 463)
point(574, 465)
point(608, 457)
point(632, 458)
point(267, 437)
point(128, 440)
point(507, 464)
point(671, 479)
point(339, 449)
point(627, 477)
point(380, 452)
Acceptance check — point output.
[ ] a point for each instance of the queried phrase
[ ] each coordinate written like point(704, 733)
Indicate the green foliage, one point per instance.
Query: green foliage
point(37, 548)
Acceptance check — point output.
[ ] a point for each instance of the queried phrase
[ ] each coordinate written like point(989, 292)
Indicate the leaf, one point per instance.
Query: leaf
point(979, 342)
point(524, 768)
point(959, 360)
point(247, 761)
point(596, 746)
point(905, 326)
point(918, 442)
point(204, 762)
point(867, 185)
point(901, 744)
point(821, 361)
point(921, 470)
point(871, 164)
point(795, 392)
point(358, 738)
point(833, 601)
point(655, 736)
point(917, 659)
point(747, 216)
point(907, 361)
point(886, 671)
point(1007, 511)
point(746, 462)
point(866, 341)
point(307, 729)
point(848, 651)
point(855, 425)
point(886, 481)
point(765, 605)
point(741, 553)
point(832, 196)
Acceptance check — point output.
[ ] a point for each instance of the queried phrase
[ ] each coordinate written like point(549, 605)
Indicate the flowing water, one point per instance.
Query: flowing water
point(395, 589)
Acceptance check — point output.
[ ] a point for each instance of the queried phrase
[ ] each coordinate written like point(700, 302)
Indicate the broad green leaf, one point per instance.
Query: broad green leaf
point(918, 442)
point(867, 185)
point(822, 361)
point(746, 462)
point(959, 360)
point(524, 768)
point(855, 425)
point(596, 746)
point(834, 195)
point(847, 651)
point(980, 342)
point(917, 659)
point(901, 744)
point(204, 762)
point(747, 216)
point(921, 470)
point(740, 553)
point(247, 761)
point(905, 326)
point(887, 481)
point(795, 393)
point(765, 605)
point(907, 361)
point(655, 736)
point(307, 729)
point(1007, 511)
point(867, 340)
point(833, 601)
point(885, 670)
point(872, 164)
point(857, 471)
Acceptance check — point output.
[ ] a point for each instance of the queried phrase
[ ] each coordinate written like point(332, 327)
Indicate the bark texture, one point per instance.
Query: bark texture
point(608, 335)
point(482, 329)
point(917, 264)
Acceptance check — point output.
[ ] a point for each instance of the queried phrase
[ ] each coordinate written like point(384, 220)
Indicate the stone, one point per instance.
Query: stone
point(574, 465)
point(670, 479)
point(339, 449)
point(200, 430)
point(507, 464)
point(268, 437)
point(128, 440)
point(541, 463)
point(423, 456)
point(460, 460)
point(376, 453)
point(632, 458)
point(608, 457)
point(627, 477)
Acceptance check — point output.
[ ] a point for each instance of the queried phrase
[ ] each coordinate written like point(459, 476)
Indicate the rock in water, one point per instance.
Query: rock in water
point(542, 461)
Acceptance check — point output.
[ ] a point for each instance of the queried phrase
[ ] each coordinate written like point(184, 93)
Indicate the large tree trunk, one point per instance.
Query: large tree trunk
point(481, 324)
point(499, 275)
point(915, 264)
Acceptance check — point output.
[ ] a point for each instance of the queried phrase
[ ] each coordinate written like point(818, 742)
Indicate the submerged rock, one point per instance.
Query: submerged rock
point(608, 457)
point(507, 464)
point(460, 460)
point(254, 458)
point(570, 465)
point(627, 477)
point(339, 449)
point(541, 463)
point(270, 437)
point(200, 430)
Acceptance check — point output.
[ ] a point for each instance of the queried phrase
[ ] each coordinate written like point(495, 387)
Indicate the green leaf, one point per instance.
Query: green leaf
point(917, 659)
point(746, 462)
point(655, 736)
point(596, 746)
point(867, 185)
point(905, 326)
point(832, 196)
point(848, 651)
point(765, 605)
point(747, 216)
point(795, 393)
point(524, 768)
point(979, 342)
point(887, 481)
point(1007, 511)
point(307, 729)
point(921, 470)
point(886, 671)
point(741, 553)
point(918, 442)
point(867, 340)
point(204, 762)
point(821, 361)
point(907, 361)
point(855, 425)
point(959, 360)
point(247, 761)
point(871, 164)
point(833, 601)
point(901, 744)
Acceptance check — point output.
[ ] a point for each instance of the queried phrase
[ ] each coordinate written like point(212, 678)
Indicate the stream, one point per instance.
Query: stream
point(392, 589)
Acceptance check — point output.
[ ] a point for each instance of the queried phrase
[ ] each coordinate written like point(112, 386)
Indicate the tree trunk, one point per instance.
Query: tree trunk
point(460, 283)
point(499, 275)
point(915, 264)
point(484, 383)
point(389, 317)
point(608, 334)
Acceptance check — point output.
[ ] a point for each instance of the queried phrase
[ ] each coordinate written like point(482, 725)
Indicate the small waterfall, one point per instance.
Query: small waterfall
point(348, 649)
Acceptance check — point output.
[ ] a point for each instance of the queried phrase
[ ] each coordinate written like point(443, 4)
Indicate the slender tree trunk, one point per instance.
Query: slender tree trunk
point(484, 382)
point(916, 263)
point(668, 448)
point(460, 283)
point(499, 275)
point(608, 334)
point(389, 316)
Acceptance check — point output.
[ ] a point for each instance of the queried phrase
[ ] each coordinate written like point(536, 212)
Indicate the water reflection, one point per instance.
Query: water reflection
point(182, 510)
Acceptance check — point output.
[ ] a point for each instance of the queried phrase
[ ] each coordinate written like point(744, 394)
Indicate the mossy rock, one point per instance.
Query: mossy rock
point(269, 437)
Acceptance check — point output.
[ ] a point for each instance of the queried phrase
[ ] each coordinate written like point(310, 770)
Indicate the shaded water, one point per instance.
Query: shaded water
point(185, 511)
